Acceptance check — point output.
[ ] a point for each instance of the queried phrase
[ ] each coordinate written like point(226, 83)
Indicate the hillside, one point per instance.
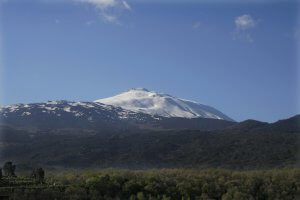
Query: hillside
point(245, 145)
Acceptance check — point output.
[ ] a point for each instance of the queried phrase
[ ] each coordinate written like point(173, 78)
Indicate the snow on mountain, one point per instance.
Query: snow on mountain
point(57, 108)
point(136, 108)
point(153, 103)
point(68, 114)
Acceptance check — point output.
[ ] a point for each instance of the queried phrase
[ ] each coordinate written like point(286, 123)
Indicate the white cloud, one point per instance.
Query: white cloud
point(243, 25)
point(109, 10)
point(89, 23)
point(244, 22)
point(126, 5)
point(109, 18)
point(101, 3)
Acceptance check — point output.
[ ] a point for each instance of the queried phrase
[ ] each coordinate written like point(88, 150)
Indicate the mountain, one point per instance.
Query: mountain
point(244, 145)
point(153, 103)
point(66, 114)
point(93, 134)
point(95, 116)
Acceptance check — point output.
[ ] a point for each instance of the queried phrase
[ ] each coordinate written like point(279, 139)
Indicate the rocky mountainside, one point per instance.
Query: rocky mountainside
point(95, 116)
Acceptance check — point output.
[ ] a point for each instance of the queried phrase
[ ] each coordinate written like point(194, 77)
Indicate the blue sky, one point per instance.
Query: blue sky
point(240, 58)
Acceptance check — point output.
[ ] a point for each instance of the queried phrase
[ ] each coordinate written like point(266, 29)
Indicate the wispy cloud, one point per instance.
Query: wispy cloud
point(244, 22)
point(110, 18)
point(243, 25)
point(109, 10)
point(89, 23)
point(126, 5)
point(101, 3)
point(196, 25)
point(297, 34)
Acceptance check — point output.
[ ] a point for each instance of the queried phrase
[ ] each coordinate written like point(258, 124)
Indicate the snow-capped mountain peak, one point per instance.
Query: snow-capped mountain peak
point(151, 102)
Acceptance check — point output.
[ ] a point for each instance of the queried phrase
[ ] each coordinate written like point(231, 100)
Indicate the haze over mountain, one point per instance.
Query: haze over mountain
point(154, 103)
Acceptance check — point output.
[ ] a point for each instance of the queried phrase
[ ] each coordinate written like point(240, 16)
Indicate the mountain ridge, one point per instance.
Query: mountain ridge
point(161, 104)
point(95, 116)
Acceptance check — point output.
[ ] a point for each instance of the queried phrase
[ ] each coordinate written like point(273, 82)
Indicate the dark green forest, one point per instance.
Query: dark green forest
point(250, 160)
point(157, 184)
point(245, 145)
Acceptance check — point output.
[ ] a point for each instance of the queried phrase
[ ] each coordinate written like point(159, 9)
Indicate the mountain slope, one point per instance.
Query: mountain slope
point(95, 116)
point(66, 114)
point(153, 103)
point(242, 147)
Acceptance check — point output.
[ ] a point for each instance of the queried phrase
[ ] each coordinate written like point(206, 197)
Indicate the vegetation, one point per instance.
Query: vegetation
point(9, 169)
point(163, 184)
point(239, 156)
point(246, 145)
point(39, 175)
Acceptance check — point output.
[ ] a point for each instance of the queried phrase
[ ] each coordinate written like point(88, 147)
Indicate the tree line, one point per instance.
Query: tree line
point(8, 171)
point(166, 184)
